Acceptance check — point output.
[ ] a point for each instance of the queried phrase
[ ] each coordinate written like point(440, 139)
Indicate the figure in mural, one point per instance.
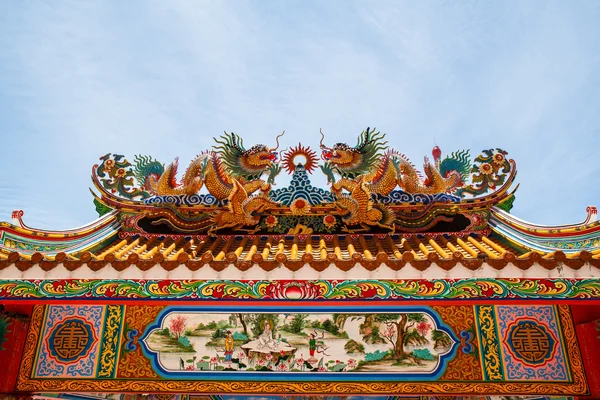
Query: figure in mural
point(315, 344)
point(267, 344)
point(228, 346)
point(266, 338)
point(312, 345)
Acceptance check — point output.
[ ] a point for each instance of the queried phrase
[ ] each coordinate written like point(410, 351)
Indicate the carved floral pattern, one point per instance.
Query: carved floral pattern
point(464, 366)
point(464, 289)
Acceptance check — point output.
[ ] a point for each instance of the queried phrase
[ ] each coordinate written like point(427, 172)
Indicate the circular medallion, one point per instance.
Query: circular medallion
point(530, 342)
point(71, 340)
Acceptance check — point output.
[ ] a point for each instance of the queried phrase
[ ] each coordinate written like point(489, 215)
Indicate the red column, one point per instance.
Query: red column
point(589, 343)
point(11, 354)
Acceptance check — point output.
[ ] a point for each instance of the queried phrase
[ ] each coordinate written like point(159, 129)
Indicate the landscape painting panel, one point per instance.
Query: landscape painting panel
point(188, 341)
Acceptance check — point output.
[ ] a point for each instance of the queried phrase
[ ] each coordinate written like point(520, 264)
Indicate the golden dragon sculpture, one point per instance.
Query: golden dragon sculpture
point(216, 169)
point(242, 210)
point(384, 170)
point(357, 208)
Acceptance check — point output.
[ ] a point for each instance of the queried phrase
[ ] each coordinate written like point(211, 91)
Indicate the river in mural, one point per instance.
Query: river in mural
point(200, 341)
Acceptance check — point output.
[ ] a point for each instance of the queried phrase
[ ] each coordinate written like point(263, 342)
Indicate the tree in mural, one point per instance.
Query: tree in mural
point(396, 330)
point(423, 327)
point(245, 319)
point(298, 323)
point(177, 326)
point(340, 319)
point(370, 329)
point(441, 339)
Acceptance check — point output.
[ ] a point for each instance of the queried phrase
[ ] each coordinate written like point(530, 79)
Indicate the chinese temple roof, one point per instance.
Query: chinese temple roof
point(293, 252)
point(379, 210)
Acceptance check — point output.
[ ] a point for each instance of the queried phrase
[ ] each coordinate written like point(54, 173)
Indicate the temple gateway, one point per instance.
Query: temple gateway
point(395, 281)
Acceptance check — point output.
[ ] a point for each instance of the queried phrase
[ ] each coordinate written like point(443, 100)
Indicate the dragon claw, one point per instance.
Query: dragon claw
point(274, 170)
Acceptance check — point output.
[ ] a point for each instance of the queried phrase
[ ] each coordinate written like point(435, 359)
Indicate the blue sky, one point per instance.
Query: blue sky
point(79, 79)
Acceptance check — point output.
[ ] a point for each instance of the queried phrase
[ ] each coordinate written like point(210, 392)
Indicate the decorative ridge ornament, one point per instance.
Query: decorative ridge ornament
point(350, 162)
point(246, 164)
point(309, 155)
point(489, 171)
point(385, 171)
point(373, 188)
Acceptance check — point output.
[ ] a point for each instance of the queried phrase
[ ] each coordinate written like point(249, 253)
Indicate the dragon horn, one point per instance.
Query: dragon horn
point(322, 137)
point(277, 140)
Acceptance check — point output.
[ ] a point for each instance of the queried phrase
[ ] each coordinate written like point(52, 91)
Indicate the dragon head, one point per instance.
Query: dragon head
point(246, 163)
point(259, 155)
point(357, 160)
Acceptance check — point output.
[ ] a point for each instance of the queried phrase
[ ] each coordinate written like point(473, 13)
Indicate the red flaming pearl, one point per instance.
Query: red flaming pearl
point(436, 153)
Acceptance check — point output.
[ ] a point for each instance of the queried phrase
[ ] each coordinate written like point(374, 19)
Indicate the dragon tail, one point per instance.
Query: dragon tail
point(385, 173)
point(387, 215)
point(171, 172)
point(257, 203)
point(346, 206)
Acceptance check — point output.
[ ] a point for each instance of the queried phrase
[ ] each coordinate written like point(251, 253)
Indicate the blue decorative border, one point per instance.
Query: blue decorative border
point(400, 196)
point(185, 200)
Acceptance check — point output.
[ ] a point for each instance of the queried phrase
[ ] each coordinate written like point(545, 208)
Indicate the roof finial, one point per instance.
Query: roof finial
point(436, 152)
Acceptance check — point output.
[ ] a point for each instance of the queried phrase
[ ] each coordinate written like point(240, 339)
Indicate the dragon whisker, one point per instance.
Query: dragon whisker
point(277, 141)
point(321, 145)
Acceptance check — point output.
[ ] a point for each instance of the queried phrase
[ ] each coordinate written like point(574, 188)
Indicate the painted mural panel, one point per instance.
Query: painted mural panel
point(270, 349)
point(187, 342)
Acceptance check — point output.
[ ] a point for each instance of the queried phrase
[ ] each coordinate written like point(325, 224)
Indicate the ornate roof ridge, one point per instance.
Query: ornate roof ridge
point(293, 252)
point(372, 189)
point(568, 238)
point(508, 219)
